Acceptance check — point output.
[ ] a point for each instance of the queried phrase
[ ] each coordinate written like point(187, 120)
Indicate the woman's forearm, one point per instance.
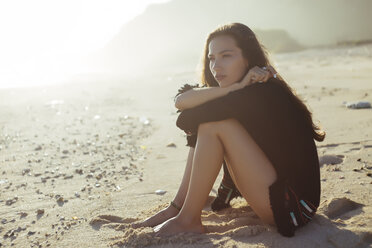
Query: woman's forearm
point(195, 97)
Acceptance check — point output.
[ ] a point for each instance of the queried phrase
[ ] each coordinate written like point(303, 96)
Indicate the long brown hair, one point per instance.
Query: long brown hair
point(256, 55)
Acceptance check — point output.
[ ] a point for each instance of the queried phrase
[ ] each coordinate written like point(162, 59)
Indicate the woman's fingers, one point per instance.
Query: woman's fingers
point(272, 71)
point(257, 74)
point(267, 76)
point(268, 73)
point(251, 76)
point(260, 74)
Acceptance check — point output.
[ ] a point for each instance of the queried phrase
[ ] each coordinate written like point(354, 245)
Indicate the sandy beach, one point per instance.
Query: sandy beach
point(81, 161)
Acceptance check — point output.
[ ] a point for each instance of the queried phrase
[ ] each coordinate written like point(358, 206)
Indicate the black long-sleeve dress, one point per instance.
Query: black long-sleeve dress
point(273, 119)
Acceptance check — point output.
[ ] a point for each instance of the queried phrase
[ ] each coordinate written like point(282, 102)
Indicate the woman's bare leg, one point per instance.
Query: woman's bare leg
point(230, 171)
point(253, 174)
point(179, 199)
point(257, 173)
point(207, 163)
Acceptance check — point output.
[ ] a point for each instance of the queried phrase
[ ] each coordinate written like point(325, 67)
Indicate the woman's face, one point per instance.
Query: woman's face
point(226, 61)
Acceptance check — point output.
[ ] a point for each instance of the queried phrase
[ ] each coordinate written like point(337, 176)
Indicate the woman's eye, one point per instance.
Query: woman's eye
point(226, 55)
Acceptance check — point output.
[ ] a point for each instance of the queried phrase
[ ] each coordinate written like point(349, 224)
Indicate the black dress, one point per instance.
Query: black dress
point(271, 116)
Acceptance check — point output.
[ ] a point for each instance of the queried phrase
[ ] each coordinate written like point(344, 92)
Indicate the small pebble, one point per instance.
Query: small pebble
point(22, 214)
point(160, 192)
point(11, 201)
point(25, 171)
point(40, 211)
point(38, 148)
point(60, 199)
point(358, 105)
point(365, 166)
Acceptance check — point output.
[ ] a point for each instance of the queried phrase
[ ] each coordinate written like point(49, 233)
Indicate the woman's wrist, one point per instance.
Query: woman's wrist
point(234, 87)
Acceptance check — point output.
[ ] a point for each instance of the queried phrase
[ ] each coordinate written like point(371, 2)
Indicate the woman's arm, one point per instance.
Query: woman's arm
point(250, 102)
point(197, 96)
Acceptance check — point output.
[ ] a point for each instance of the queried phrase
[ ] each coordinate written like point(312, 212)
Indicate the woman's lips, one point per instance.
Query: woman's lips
point(219, 78)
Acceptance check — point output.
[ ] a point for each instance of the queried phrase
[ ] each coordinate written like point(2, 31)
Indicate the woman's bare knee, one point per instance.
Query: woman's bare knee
point(217, 126)
point(208, 127)
point(229, 123)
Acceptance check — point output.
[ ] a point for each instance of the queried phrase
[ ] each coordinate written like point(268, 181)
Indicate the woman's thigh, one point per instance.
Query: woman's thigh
point(251, 170)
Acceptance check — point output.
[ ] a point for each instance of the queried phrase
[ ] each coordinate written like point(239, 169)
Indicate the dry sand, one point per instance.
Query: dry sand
point(79, 162)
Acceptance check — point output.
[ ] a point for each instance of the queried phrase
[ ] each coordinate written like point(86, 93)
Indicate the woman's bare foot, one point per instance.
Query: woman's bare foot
point(158, 218)
point(176, 225)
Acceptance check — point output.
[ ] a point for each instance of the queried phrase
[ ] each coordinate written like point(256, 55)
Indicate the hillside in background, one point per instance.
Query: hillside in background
point(171, 35)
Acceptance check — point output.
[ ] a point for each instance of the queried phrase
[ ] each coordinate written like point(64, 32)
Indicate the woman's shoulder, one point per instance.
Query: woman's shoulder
point(280, 94)
point(272, 91)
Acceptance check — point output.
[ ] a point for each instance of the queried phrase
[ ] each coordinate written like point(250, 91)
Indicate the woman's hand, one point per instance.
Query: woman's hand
point(254, 75)
point(257, 74)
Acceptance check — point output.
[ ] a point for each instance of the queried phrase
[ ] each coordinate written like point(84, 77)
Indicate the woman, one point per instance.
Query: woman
point(262, 132)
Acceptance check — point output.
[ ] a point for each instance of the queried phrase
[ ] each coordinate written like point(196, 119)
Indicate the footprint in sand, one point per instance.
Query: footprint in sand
point(331, 159)
point(233, 224)
point(100, 220)
point(346, 238)
point(340, 206)
point(355, 149)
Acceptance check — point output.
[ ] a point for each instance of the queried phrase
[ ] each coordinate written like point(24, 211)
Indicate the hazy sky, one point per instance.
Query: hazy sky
point(38, 36)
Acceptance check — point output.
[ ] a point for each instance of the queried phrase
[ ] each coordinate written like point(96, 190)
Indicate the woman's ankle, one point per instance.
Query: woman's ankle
point(172, 211)
point(176, 205)
point(188, 220)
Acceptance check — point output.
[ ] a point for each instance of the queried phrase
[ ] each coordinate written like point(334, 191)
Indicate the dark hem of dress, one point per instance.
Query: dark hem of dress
point(289, 209)
point(280, 212)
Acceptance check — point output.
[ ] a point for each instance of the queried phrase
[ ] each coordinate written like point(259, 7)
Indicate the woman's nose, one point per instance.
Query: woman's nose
point(216, 65)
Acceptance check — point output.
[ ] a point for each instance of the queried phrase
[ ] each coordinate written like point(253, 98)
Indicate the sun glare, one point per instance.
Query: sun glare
point(43, 41)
